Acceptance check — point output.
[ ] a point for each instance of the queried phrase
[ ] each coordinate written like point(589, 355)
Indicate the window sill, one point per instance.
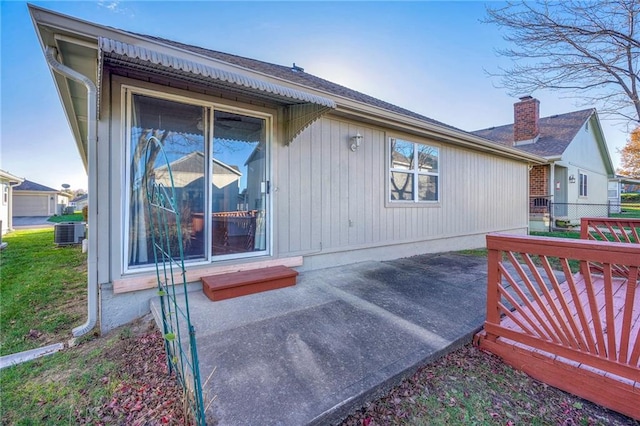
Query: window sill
point(410, 204)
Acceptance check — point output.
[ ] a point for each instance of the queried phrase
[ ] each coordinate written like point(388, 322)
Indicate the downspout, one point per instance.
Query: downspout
point(552, 193)
point(92, 163)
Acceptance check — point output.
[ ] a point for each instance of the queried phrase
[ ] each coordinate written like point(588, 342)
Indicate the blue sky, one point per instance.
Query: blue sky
point(429, 57)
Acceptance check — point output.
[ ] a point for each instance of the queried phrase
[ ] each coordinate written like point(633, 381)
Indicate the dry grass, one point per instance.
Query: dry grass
point(470, 386)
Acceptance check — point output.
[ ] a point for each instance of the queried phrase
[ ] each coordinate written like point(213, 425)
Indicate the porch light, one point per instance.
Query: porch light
point(356, 141)
point(572, 179)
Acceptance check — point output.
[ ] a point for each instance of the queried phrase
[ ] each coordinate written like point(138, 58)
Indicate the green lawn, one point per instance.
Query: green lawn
point(42, 291)
point(557, 234)
point(629, 212)
point(76, 217)
point(42, 297)
point(57, 389)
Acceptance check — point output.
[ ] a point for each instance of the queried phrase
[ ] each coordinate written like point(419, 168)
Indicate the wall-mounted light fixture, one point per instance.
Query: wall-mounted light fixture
point(572, 179)
point(356, 141)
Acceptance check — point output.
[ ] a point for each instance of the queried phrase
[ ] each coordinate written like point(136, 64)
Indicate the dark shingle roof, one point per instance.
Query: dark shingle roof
point(556, 133)
point(79, 198)
point(299, 77)
point(27, 185)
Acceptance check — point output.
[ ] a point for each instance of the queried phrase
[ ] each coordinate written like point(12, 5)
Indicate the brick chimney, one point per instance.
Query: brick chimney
point(526, 114)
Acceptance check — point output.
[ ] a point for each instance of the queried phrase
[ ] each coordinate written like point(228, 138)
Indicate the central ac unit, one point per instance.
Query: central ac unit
point(68, 233)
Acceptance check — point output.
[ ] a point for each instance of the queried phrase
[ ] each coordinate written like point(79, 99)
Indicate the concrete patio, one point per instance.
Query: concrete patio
point(313, 353)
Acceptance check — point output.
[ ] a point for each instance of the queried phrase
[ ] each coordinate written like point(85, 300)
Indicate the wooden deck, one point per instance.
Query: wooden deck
point(567, 312)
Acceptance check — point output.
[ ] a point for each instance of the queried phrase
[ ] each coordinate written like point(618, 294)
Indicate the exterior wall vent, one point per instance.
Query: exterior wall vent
point(68, 233)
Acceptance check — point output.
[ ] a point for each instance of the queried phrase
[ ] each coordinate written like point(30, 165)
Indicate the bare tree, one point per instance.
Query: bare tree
point(588, 49)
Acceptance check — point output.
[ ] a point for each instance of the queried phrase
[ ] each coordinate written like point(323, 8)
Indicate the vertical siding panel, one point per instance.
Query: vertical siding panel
point(352, 185)
point(383, 218)
point(380, 177)
point(342, 173)
point(344, 186)
point(361, 167)
point(327, 183)
point(480, 191)
point(397, 229)
point(282, 199)
point(316, 166)
point(302, 182)
point(295, 231)
point(366, 178)
point(408, 219)
point(449, 171)
point(461, 176)
point(474, 191)
point(412, 229)
point(335, 185)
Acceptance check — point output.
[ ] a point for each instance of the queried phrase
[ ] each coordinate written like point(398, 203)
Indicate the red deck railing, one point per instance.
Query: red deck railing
point(610, 229)
point(568, 311)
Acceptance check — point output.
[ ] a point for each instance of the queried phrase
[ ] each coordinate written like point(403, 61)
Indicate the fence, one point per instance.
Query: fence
point(568, 215)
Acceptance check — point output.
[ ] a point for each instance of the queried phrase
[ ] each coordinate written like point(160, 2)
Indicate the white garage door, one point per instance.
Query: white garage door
point(31, 205)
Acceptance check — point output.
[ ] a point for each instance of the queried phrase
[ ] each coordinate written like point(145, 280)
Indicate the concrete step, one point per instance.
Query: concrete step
point(242, 283)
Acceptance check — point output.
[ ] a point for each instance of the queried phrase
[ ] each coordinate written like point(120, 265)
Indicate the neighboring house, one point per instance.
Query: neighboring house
point(33, 199)
point(630, 187)
point(576, 175)
point(79, 202)
point(294, 170)
point(617, 186)
point(7, 183)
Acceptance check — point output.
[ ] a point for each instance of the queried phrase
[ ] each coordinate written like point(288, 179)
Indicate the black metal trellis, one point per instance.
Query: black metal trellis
point(166, 236)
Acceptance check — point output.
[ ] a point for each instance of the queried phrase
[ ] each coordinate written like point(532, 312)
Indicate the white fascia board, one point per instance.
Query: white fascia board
point(6, 176)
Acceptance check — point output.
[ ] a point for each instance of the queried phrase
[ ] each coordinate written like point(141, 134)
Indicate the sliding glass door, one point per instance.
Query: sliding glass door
point(218, 161)
point(238, 184)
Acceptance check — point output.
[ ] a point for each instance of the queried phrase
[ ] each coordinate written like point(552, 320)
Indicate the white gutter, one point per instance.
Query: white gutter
point(92, 163)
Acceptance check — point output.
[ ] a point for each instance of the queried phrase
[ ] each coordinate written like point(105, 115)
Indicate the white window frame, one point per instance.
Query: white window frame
point(5, 194)
point(583, 184)
point(415, 172)
point(127, 92)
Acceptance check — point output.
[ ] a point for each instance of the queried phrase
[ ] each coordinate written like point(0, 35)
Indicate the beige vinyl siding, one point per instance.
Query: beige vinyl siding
point(332, 199)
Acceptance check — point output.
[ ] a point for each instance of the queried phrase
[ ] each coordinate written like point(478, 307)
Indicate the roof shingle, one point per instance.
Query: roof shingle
point(27, 185)
point(556, 133)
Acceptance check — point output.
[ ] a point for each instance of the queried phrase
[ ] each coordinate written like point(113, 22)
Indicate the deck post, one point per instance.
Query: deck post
point(493, 277)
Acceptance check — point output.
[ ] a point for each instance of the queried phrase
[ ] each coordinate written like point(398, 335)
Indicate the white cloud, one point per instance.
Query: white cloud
point(115, 6)
point(111, 5)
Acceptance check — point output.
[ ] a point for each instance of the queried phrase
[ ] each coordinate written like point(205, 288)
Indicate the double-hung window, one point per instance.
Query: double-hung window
point(413, 172)
point(583, 184)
